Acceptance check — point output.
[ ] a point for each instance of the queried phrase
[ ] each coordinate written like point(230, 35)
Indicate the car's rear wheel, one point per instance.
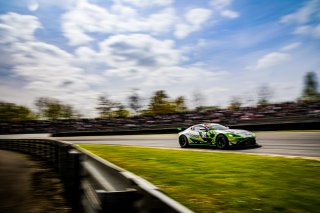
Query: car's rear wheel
point(183, 141)
point(222, 142)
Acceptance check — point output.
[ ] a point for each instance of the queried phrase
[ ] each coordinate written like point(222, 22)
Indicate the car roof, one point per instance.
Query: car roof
point(205, 124)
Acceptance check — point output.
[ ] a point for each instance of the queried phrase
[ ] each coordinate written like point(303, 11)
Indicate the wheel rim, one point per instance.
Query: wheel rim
point(183, 141)
point(221, 142)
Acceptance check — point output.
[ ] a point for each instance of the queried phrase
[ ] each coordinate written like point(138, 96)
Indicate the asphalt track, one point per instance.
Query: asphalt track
point(305, 143)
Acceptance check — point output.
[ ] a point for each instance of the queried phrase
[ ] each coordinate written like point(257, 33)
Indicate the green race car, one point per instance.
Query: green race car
point(215, 134)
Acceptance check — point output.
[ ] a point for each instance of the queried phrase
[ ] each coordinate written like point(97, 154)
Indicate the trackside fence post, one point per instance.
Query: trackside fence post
point(120, 201)
point(73, 180)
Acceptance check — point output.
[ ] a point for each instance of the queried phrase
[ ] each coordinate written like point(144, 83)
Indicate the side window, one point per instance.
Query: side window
point(198, 128)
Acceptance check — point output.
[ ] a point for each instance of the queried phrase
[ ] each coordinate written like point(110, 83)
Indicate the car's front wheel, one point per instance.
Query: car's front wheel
point(183, 141)
point(222, 142)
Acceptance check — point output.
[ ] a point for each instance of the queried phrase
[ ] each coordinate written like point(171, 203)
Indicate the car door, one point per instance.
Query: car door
point(194, 134)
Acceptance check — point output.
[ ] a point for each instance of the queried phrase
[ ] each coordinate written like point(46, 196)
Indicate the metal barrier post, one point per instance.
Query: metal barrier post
point(120, 201)
point(73, 180)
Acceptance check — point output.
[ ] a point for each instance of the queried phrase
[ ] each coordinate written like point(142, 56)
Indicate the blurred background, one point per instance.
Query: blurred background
point(104, 65)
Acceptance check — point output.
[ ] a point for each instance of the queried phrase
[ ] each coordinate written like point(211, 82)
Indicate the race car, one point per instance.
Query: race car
point(215, 134)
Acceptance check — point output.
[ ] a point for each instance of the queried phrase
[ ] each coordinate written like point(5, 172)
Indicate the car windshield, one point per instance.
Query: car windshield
point(217, 127)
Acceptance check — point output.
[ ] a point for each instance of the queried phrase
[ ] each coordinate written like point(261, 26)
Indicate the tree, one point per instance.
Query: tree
point(310, 90)
point(235, 103)
point(105, 107)
point(12, 112)
point(120, 112)
point(160, 104)
point(50, 108)
point(264, 95)
point(110, 109)
point(135, 101)
point(180, 104)
point(68, 112)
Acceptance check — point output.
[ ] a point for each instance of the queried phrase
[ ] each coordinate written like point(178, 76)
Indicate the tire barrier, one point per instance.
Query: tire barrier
point(93, 184)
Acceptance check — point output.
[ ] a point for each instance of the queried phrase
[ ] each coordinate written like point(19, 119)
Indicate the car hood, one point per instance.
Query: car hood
point(240, 132)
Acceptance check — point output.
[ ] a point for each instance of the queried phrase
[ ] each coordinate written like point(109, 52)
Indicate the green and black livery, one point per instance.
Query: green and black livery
point(217, 135)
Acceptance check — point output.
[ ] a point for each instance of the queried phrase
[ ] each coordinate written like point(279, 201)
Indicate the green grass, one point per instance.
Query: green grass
point(223, 182)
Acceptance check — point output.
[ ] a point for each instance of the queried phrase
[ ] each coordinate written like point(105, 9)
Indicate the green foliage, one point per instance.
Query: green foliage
point(223, 182)
point(12, 112)
point(160, 104)
point(120, 112)
point(105, 107)
point(310, 91)
point(51, 109)
point(111, 109)
point(180, 104)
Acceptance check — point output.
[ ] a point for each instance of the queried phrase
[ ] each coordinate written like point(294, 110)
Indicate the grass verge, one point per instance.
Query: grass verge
point(223, 182)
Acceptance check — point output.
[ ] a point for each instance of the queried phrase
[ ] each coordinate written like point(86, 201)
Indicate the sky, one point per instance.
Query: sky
point(76, 51)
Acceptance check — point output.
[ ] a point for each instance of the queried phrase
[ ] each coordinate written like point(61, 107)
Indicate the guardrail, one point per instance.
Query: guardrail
point(93, 184)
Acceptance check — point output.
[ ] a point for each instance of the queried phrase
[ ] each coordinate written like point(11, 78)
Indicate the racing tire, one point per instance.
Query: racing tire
point(183, 141)
point(222, 142)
